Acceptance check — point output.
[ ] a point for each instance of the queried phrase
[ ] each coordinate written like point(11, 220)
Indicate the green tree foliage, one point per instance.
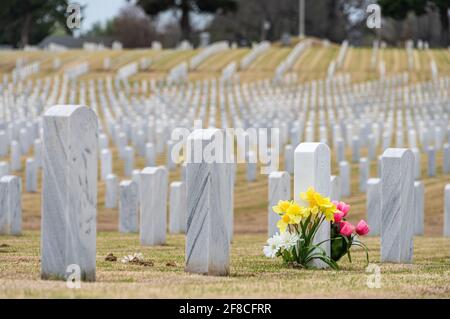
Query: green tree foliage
point(185, 7)
point(98, 29)
point(399, 9)
point(29, 21)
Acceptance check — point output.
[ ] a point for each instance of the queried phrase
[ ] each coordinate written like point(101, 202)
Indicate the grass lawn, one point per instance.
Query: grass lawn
point(252, 274)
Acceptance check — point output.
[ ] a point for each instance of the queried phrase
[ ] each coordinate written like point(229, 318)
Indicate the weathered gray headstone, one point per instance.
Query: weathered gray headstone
point(128, 157)
point(105, 163)
point(16, 163)
point(150, 156)
point(417, 164)
point(3, 143)
point(289, 159)
point(373, 206)
point(178, 207)
point(355, 149)
point(111, 190)
point(128, 207)
point(340, 150)
point(344, 174)
point(431, 154)
point(10, 205)
point(38, 152)
point(335, 184)
point(447, 210)
point(171, 164)
point(251, 167)
point(372, 147)
point(363, 174)
point(4, 168)
point(31, 176)
point(446, 159)
point(418, 208)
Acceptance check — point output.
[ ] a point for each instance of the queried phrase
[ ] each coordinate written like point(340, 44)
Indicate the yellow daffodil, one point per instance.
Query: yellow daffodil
point(281, 207)
point(283, 223)
point(319, 203)
point(309, 197)
point(295, 213)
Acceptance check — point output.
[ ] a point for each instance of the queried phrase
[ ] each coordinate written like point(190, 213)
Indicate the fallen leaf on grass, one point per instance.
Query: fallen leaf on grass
point(110, 257)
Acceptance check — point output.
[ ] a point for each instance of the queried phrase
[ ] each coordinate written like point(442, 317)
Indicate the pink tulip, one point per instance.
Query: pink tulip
point(347, 229)
point(338, 216)
point(343, 207)
point(362, 228)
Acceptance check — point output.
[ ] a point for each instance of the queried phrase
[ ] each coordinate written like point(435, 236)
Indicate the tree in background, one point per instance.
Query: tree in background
point(99, 30)
point(29, 21)
point(324, 19)
point(186, 7)
point(133, 28)
point(400, 9)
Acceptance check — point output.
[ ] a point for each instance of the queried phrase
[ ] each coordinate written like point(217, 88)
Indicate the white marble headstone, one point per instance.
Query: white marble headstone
point(312, 168)
point(153, 201)
point(128, 207)
point(373, 206)
point(178, 207)
point(69, 191)
point(10, 205)
point(207, 233)
point(397, 200)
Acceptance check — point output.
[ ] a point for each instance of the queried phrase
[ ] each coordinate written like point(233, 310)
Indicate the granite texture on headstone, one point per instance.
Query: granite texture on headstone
point(69, 191)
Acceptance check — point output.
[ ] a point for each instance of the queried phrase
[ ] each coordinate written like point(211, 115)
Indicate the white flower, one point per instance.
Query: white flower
point(136, 257)
point(273, 245)
point(288, 240)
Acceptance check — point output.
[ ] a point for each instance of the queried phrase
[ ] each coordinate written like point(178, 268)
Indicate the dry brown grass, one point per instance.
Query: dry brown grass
point(251, 274)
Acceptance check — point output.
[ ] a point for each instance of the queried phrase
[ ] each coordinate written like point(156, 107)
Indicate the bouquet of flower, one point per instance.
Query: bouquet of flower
point(298, 226)
point(343, 233)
